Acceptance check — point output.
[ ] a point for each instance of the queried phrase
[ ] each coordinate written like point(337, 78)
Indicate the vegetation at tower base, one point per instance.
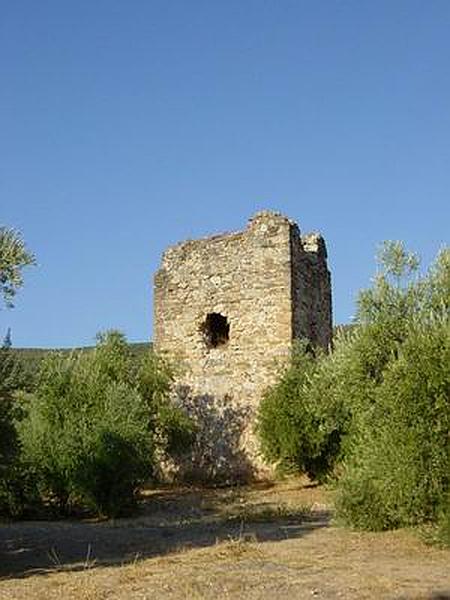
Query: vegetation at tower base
point(8, 437)
point(397, 466)
point(397, 473)
point(14, 256)
point(301, 419)
point(375, 413)
point(93, 430)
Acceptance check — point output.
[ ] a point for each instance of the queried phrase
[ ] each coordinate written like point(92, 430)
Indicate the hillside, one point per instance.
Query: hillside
point(30, 359)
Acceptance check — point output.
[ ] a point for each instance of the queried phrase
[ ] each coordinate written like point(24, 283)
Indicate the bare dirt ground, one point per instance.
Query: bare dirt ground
point(255, 542)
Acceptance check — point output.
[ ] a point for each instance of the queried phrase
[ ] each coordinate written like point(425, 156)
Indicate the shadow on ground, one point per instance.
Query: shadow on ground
point(169, 521)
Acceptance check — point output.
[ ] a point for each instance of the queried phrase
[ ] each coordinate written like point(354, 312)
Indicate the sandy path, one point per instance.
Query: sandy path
point(194, 545)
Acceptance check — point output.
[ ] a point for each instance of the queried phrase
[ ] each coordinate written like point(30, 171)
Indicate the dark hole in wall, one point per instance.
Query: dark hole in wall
point(216, 330)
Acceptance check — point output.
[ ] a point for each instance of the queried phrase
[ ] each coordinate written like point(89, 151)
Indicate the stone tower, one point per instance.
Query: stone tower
point(228, 308)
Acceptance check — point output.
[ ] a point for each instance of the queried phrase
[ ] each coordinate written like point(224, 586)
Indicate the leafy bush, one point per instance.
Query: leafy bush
point(171, 425)
point(11, 472)
point(300, 424)
point(377, 409)
point(118, 454)
point(8, 367)
point(92, 429)
point(14, 256)
point(396, 470)
point(442, 532)
point(398, 473)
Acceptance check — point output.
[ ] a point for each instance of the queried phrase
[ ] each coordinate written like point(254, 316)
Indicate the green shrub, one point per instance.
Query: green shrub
point(171, 425)
point(10, 375)
point(398, 473)
point(377, 409)
point(396, 470)
point(442, 532)
point(118, 453)
point(89, 432)
point(300, 424)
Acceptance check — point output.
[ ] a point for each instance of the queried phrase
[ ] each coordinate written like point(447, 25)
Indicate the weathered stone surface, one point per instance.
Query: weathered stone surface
point(228, 308)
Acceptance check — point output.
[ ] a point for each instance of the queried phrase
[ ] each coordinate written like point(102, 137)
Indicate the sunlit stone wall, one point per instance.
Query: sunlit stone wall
point(227, 309)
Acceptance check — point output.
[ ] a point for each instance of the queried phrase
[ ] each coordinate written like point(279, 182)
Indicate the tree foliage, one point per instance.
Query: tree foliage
point(92, 431)
point(300, 423)
point(376, 411)
point(14, 256)
point(8, 438)
point(396, 470)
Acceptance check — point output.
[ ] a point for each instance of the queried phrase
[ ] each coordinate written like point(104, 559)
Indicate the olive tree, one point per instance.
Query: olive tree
point(14, 256)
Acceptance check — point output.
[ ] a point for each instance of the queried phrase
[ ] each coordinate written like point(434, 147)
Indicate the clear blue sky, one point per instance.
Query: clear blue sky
point(130, 125)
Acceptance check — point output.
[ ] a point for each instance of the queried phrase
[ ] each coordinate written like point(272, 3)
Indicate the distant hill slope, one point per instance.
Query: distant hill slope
point(31, 358)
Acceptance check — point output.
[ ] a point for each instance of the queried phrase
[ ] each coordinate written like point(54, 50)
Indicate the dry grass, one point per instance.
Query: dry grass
point(279, 547)
point(269, 513)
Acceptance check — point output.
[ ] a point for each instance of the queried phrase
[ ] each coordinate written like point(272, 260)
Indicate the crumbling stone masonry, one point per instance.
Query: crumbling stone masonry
point(228, 308)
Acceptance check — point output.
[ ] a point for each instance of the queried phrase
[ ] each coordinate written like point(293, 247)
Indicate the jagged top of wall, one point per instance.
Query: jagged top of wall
point(262, 220)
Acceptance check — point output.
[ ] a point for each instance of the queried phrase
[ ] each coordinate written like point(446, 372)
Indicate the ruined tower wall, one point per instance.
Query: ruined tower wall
point(311, 289)
point(244, 276)
point(271, 285)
